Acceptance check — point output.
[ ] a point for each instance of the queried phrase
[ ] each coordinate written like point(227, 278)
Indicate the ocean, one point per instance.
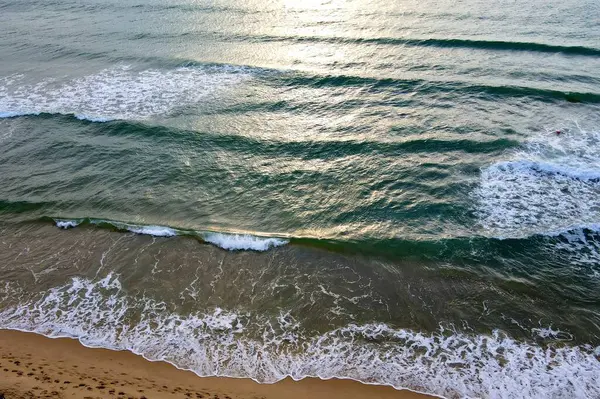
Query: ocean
point(402, 193)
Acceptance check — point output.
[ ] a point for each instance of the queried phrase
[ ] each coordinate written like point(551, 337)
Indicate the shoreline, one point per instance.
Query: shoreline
point(35, 366)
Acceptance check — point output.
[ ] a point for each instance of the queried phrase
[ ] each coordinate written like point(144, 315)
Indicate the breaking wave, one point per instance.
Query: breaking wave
point(550, 187)
point(228, 241)
point(243, 241)
point(118, 93)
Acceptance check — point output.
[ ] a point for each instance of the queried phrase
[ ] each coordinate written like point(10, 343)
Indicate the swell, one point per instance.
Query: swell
point(490, 45)
point(425, 87)
point(502, 45)
point(17, 207)
point(314, 149)
point(494, 45)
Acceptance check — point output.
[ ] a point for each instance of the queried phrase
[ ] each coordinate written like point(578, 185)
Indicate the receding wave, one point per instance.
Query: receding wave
point(268, 348)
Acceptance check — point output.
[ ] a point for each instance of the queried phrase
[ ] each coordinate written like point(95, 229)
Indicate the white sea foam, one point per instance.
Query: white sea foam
point(156, 231)
point(66, 224)
point(549, 332)
point(116, 93)
point(550, 186)
point(234, 242)
point(267, 349)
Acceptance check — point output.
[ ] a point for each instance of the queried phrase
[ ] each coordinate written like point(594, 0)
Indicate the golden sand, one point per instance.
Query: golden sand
point(33, 366)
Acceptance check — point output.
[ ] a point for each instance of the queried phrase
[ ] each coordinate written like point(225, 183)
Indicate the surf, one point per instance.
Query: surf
point(550, 185)
point(117, 93)
point(219, 342)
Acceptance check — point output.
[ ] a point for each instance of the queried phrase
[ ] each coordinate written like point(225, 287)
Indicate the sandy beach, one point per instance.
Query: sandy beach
point(33, 366)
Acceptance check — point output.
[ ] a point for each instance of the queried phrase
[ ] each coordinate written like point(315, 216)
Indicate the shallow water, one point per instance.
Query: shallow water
point(352, 189)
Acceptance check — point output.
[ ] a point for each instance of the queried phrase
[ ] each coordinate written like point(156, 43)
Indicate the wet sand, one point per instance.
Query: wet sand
point(33, 366)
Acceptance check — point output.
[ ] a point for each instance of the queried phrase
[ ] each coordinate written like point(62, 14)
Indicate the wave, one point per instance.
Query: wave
point(123, 93)
point(313, 149)
point(228, 241)
point(243, 241)
point(506, 46)
point(155, 231)
point(576, 243)
point(117, 93)
point(516, 205)
point(433, 87)
point(494, 45)
point(236, 343)
point(473, 44)
point(549, 187)
point(67, 224)
point(18, 207)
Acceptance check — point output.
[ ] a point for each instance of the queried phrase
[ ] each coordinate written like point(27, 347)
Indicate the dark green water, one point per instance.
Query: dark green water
point(402, 194)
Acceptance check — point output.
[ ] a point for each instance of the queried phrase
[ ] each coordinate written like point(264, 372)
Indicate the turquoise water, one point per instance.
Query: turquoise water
point(402, 194)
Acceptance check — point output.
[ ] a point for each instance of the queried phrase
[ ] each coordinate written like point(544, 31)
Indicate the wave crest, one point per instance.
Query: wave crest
point(243, 241)
point(228, 241)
